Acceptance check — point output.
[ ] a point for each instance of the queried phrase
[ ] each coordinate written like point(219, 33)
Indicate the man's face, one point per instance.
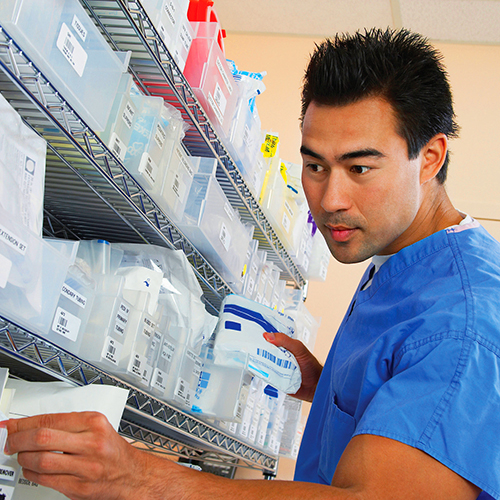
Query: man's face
point(363, 191)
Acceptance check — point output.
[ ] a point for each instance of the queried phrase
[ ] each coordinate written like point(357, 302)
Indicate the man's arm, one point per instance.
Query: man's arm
point(98, 464)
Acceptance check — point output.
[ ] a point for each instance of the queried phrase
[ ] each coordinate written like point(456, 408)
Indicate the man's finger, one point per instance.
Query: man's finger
point(74, 422)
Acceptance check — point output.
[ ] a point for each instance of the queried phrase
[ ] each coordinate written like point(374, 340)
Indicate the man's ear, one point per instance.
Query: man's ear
point(433, 155)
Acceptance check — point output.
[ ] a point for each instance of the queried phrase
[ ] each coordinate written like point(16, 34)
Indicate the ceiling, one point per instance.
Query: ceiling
point(466, 21)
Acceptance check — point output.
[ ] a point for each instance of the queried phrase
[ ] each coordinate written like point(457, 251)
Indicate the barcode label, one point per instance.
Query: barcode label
point(139, 366)
point(112, 351)
point(66, 324)
point(225, 237)
point(75, 297)
point(72, 50)
point(179, 188)
point(148, 169)
point(158, 380)
point(181, 389)
point(282, 363)
point(233, 426)
point(246, 137)
point(117, 146)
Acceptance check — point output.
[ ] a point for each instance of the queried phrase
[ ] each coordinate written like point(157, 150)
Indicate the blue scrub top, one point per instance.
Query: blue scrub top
point(416, 359)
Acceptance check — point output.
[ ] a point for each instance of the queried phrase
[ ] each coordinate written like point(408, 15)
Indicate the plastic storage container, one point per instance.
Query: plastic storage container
point(64, 43)
point(73, 310)
point(210, 77)
point(177, 183)
point(32, 273)
point(214, 228)
point(122, 119)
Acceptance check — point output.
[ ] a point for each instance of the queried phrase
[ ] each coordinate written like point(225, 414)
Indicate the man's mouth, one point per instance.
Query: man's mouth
point(341, 233)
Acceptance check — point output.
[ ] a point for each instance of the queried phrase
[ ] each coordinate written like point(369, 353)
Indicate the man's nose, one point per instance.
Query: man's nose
point(337, 194)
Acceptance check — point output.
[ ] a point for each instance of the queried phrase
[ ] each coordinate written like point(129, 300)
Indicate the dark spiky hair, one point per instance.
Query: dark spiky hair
point(398, 66)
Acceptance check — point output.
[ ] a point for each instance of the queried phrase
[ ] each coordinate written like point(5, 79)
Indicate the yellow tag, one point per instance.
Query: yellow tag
point(283, 171)
point(244, 270)
point(270, 146)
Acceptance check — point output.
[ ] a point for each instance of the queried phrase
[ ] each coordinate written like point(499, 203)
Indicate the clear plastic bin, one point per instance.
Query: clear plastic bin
point(147, 144)
point(121, 121)
point(177, 183)
point(103, 340)
point(135, 364)
point(175, 29)
point(222, 391)
point(32, 273)
point(62, 40)
point(210, 77)
point(215, 229)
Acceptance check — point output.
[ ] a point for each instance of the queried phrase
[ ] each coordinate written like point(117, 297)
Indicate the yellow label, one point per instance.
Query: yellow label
point(270, 146)
point(283, 171)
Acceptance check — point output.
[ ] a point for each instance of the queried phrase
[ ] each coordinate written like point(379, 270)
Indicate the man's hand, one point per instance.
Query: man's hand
point(94, 461)
point(310, 367)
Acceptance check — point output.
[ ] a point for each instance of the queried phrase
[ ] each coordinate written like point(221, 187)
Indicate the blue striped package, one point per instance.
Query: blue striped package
point(240, 329)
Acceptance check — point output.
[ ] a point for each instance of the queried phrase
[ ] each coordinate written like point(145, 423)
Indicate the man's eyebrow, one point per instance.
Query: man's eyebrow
point(361, 153)
point(304, 150)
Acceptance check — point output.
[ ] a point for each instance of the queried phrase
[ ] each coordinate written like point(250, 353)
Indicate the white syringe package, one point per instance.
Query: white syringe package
point(240, 329)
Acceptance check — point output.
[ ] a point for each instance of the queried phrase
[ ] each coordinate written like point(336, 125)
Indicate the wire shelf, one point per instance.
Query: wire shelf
point(146, 419)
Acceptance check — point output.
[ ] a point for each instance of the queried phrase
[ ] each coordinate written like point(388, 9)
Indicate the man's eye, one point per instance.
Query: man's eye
point(358, 169)
point(315, 167)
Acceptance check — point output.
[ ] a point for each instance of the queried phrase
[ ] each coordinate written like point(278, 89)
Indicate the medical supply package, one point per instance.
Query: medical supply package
point(240, 329)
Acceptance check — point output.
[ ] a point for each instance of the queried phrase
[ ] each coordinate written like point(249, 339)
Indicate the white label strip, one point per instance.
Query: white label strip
point(224, 76)
point(78, 26)
point(9, 238)
point(74, 296)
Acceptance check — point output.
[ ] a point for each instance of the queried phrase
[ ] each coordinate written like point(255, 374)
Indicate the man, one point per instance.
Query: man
point(407, 405)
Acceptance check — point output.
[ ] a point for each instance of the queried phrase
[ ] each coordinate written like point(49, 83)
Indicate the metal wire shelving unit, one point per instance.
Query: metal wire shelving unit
point(89, 194)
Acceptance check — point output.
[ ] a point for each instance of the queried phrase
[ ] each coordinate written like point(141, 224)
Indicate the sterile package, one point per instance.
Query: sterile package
point(240, 329)
point(22, 169)
point(68, 48)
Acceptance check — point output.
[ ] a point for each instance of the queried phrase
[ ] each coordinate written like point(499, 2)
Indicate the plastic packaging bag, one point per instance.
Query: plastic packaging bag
point(239, 329)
